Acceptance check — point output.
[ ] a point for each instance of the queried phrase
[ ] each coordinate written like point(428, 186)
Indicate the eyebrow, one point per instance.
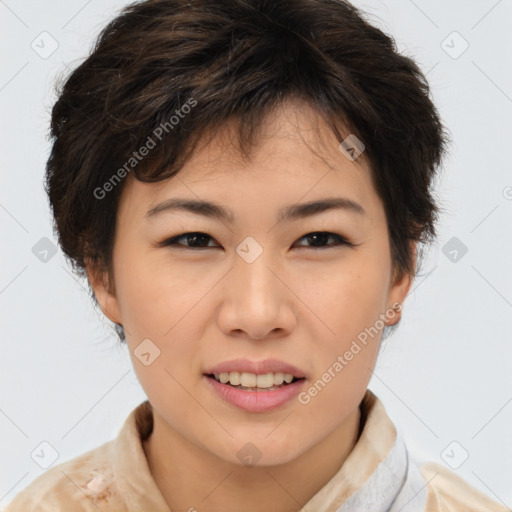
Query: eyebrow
point(288, 213)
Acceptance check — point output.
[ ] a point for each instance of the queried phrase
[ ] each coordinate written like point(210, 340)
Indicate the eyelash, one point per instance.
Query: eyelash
point(173, 240)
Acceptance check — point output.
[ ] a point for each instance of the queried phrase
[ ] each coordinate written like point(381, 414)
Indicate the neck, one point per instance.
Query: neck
point(189, 477)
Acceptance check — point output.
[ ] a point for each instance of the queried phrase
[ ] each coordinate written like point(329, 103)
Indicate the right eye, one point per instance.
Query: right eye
point(196, 240)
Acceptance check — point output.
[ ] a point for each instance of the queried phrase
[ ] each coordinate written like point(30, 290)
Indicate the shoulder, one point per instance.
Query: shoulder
point(85, 483)
point(448, 492)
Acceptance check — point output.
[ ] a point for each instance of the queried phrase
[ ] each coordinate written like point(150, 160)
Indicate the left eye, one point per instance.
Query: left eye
point(319, 237)
point(200, 240)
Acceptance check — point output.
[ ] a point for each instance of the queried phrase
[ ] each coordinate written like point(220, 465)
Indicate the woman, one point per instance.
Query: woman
point(246, 186)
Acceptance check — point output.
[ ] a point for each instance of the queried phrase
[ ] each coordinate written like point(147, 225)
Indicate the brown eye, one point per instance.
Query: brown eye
point(319, 239)
point(195, 241)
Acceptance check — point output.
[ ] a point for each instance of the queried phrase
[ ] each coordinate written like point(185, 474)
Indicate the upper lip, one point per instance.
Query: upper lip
point(257, 367)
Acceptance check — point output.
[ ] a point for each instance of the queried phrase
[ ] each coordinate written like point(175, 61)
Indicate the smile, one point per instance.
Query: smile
point(253, 382)
point(255, 398)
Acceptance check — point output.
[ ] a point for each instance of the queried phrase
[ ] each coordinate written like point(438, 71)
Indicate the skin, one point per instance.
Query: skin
point(295, 302)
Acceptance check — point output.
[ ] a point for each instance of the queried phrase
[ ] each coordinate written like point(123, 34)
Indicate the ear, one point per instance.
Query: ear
point(103, 286)
point(400, 286)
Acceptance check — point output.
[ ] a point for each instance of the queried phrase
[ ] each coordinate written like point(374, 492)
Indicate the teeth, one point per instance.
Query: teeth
point(265, 381)
point(278, 378)
point(251, 380)
point(248, 380)
point(233, 378)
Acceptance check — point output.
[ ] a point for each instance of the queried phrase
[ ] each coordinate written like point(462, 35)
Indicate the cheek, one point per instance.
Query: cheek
point(160, 302)
point(344, 358)
point(151, 295)
point(349, 301)
point(351, 297)
point(360, 298)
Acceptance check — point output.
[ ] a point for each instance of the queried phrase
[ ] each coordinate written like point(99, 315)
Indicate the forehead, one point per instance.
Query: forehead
point(296, 159)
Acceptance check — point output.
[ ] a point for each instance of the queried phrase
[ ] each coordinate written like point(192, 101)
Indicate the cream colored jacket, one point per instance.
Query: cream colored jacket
point(377, 476)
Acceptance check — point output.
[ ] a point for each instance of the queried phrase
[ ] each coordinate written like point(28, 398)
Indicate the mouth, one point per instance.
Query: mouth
point(246, 381)
point(255, 393)
point(255, 386)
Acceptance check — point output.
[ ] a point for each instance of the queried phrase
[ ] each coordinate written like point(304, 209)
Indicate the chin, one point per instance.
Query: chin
point(250, 451)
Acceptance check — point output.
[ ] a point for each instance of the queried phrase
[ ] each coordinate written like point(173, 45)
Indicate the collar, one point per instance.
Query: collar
point(377, 475)
point(135, 481)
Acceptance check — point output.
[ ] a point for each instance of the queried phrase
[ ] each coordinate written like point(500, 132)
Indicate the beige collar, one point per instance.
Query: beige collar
point(378, 459)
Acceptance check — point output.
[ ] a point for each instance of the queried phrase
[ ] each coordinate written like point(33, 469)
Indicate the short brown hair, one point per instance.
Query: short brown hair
point(235, 59)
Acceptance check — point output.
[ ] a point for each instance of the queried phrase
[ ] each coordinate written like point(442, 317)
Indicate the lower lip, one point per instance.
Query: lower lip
point(257, 401)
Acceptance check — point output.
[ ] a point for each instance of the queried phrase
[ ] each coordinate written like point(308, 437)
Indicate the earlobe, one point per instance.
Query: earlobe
point(399, 291)
point(104, 291)
point(396, 298)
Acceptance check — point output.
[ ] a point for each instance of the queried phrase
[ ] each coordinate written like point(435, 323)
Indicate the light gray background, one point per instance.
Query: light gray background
point(444, 376)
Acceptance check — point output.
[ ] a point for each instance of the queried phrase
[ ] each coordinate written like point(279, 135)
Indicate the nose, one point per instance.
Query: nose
point(256, 303)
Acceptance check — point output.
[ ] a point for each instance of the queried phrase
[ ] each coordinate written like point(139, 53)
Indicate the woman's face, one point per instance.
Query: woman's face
point(256, 285)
